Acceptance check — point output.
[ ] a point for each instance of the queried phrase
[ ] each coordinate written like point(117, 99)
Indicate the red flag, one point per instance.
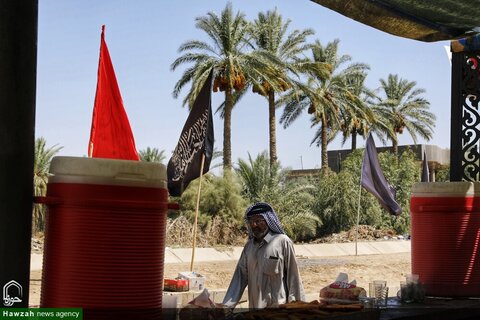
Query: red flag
point(110, 135)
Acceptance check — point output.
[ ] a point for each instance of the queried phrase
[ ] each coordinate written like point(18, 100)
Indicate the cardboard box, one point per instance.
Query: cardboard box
point(197, 281)
point(176, 285)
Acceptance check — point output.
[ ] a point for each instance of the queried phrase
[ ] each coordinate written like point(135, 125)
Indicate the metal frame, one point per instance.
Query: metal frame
point(465, 117)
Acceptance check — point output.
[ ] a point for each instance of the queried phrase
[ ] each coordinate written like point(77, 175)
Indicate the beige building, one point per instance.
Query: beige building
point(436, 157)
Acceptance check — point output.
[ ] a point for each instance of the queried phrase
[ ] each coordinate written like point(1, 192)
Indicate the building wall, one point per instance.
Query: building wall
point(436, 156)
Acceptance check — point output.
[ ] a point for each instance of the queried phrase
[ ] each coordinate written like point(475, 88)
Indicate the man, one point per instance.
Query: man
point(267, 263)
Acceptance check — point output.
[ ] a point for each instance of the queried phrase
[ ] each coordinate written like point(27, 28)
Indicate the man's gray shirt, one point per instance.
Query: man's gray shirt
point(270, 270)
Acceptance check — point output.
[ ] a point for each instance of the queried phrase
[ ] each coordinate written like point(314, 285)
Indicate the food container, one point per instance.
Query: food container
point(176, 285)
point(197, 281)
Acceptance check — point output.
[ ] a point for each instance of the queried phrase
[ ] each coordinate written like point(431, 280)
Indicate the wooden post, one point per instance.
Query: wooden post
point(196, 213)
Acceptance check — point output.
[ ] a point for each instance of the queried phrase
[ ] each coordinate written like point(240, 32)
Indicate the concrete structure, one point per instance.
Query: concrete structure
point(303, 251)
point(437, 158)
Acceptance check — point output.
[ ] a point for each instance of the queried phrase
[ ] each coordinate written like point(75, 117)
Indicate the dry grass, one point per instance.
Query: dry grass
point(217, 233)
point(221, 233)
point(365, 233)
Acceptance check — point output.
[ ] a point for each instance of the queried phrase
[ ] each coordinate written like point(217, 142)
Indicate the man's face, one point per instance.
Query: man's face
point(259, 227)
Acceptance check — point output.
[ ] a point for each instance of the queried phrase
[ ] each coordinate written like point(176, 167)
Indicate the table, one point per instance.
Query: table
point(432, 308)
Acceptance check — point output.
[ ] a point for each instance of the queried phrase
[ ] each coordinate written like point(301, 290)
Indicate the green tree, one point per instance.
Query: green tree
point(292, 200)
point(220, 214)
point(227, 54)
point(443, 173)
point(152, 155)
point(337, 196)
point(41, 166)
point(325, 98)
point(336, 203)
point(220, 197)
point(404, 108)
point(217, 155)
point(402, 176)
point(270, 33)
point(359, 119)
point(257, 177)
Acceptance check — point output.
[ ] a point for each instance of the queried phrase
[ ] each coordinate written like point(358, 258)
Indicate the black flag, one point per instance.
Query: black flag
point(196, 139)
point(374, 181)
point(425, 173)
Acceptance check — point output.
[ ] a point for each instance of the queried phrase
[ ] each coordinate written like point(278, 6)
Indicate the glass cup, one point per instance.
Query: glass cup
point(379, 291)
point(371, 290)
point(376, 285)
point(382, 297)
point(404, 294)
point(379, 285)
point(419, 292)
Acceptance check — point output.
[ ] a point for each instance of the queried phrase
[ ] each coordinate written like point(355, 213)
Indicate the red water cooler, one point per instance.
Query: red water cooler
point(105, 237)
point(445, 230)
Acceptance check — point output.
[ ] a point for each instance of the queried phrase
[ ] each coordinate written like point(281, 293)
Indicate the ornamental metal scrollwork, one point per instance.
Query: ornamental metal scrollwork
point(471, 117)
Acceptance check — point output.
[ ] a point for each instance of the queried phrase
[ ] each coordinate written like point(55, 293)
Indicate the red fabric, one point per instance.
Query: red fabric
point(110, 136)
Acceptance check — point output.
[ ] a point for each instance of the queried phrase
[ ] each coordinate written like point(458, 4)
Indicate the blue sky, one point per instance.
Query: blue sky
point(143, 38)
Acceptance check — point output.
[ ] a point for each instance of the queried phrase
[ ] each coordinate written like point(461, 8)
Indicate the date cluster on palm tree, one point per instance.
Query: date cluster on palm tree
point(351, 127)
point(220, 83)
point(399, 130)
point(265, 87)
point(356, 127)
point(262, 89)
point(399, 124)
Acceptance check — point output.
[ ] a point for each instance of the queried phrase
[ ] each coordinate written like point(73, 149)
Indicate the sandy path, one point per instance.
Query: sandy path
point(316, 273)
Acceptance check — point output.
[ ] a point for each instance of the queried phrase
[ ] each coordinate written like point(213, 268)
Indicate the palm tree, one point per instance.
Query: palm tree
point(358, 120)
point(270, 34)
point(216, 155)
point(404, 108)
point(325, 97)
point(227, 55)
point(152, 155)
point(41, 165)
point(257, 176)
point(292, 200)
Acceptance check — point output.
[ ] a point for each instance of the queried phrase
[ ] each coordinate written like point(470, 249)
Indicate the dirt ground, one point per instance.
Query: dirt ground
point(316, 273)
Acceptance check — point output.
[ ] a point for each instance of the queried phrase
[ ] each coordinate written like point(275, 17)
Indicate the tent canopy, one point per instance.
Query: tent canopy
point(431, 20)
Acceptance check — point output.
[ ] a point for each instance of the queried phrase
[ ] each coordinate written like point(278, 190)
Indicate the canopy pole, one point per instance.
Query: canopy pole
point(18, 76)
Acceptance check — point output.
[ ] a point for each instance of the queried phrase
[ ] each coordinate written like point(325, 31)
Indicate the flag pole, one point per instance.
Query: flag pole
point(359, 199)
point(358, 214)
point(196, 212)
